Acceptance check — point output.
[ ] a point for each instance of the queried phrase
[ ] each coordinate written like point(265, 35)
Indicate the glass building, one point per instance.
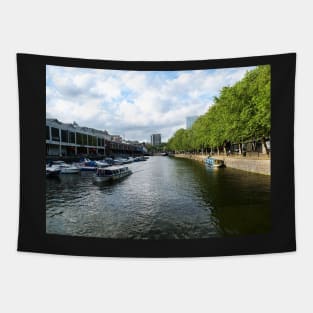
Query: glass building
point(155, 139)
point(190, 120)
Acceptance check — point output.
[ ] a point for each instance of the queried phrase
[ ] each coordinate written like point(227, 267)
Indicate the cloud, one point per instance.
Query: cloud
point(132, 103)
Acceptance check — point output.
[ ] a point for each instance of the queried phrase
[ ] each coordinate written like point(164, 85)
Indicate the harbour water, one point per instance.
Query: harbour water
point(164, 198)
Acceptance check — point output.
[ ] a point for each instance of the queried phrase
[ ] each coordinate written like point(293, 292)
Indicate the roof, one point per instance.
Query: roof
point(114, 167)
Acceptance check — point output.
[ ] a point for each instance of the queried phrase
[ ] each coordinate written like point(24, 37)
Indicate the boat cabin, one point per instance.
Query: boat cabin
point(111, 171)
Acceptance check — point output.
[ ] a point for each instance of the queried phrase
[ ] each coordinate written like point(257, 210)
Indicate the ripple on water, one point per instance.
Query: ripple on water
point(164, 198)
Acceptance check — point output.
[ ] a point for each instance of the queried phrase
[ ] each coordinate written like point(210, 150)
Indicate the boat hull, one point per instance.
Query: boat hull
point(52, 173)
point(103, 179)
point(70, 171)
point(88, 169)
point(214, 163)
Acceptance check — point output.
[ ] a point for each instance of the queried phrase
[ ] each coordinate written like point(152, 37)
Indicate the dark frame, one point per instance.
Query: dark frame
point(32, 235)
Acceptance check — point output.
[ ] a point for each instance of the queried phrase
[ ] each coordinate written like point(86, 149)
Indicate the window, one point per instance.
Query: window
point(64, 135)
point(84, 137)
point(100, 142)
point(92, 140)
point(47, 132)
point(55, 134)
point(79, 139)
point(72, 137)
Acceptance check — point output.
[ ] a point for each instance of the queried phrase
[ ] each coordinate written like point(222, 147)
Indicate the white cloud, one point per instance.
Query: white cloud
point(134, 104)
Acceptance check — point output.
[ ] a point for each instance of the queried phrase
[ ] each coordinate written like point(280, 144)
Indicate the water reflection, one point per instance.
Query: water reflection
point(164, 198)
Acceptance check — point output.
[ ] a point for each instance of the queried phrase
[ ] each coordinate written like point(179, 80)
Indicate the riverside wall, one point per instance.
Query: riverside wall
point(260, 166)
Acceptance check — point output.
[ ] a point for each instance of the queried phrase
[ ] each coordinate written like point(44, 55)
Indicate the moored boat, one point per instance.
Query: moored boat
point(120, 161)
point(102, 163)
point(214, 163)
point(130, 159)
point(52, 170)
point(87, 165)
point(139, 158)
point(111, 173)
point(66, 168)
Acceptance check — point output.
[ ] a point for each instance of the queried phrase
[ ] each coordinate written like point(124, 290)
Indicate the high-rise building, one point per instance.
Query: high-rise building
point(155, 139)
point(190, 120)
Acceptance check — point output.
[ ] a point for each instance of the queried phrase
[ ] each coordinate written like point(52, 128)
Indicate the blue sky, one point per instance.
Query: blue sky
point(134, 104)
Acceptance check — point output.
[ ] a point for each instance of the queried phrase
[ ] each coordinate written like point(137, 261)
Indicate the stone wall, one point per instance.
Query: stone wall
point(260, 166)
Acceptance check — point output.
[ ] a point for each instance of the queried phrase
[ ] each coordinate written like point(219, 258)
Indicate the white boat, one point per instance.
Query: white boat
point(86, 165)
point(52, 170)
point(66, 168)
point(140, 158)
point(111, 173)
point(119, 161)
point(102, 163)
point(214, 163)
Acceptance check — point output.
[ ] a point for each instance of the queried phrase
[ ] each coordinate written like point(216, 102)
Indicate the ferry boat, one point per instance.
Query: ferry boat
point(111, 173)
point(214, 163)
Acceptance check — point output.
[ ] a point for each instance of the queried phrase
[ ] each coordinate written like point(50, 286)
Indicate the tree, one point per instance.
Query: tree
point(239, 113)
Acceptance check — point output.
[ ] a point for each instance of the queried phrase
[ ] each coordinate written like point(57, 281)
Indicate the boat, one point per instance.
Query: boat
point(102, 163)
point(87, 165)
point(120, 161)
point(108, 160)
point(214, 163)
point(66, 168)
point(111, 173)
point(140, 158)
point(52, 170)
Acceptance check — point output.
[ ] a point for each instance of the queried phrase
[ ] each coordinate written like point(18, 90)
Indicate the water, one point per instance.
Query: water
point(164, 198)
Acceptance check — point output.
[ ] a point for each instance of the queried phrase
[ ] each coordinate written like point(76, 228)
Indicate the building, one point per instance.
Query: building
point(155, 139)
point(117, 138)
point(190, 120)
point(64, 139)
point(72, 140)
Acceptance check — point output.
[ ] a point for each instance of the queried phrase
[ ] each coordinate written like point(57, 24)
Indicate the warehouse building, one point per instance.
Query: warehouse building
point(63, 139)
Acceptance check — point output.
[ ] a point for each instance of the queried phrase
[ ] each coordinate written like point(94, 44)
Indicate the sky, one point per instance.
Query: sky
point(133, 104)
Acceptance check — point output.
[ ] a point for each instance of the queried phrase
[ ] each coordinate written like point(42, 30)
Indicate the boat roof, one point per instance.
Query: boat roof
point(114, 167)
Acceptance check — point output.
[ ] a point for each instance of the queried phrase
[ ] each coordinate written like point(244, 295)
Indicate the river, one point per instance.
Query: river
point(164, 198)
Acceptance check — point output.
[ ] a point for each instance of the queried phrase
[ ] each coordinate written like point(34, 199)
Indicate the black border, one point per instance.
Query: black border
point(32, 236)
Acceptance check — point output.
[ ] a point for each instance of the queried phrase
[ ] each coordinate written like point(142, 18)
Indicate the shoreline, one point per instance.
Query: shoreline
point(259, 166)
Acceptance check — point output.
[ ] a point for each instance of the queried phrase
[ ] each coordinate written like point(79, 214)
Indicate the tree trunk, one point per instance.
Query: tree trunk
point(265, 145)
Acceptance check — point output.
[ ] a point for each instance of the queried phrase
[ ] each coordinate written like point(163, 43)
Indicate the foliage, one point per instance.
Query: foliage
point(240, 112)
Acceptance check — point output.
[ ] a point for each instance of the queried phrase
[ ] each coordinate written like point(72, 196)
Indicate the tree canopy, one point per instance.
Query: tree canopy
point(239, 113)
